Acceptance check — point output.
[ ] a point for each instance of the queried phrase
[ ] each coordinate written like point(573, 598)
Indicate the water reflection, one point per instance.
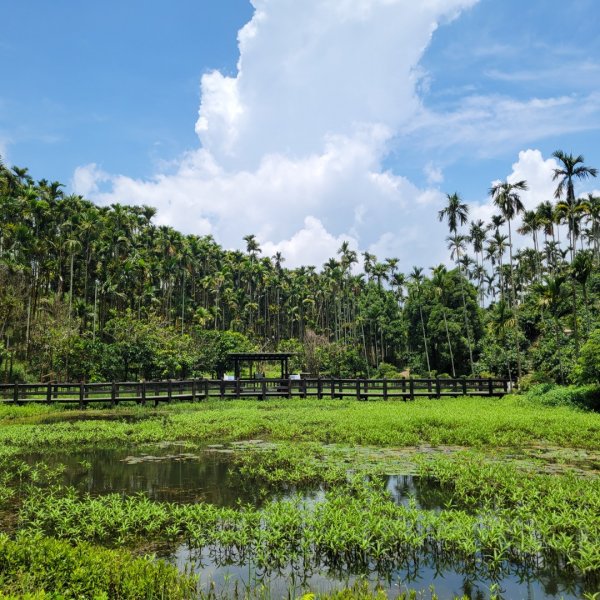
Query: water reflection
point(225, 569)
point(176, 473)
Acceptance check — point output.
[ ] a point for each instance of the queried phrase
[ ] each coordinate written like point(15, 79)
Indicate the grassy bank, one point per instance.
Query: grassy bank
point(474, 422)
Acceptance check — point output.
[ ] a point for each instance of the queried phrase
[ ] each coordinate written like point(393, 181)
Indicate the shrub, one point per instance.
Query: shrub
point(388, 371)
point(588, 364)
point(548, 394)
point(85, 571)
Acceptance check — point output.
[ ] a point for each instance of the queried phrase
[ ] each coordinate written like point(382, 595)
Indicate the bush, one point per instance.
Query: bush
point(387, 371)
point(548, 394)
point(588, 364)
point(85, 571)
point(530, 380)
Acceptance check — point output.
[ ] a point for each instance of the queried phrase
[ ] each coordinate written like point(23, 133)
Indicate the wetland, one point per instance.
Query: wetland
point(212, 510)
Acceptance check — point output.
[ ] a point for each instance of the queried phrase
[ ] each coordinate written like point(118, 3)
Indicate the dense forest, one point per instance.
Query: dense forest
point(100, 293)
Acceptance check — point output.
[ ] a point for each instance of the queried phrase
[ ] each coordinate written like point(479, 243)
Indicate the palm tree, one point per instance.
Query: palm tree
point(505, 196)
point(502, 320)
point(551, 296)
point(545, 213)
point(592, 211)
point(531, 225)
point(416, 276)
point(571, 167)
point(477, 236)
point(456, 212)
point(439, 282)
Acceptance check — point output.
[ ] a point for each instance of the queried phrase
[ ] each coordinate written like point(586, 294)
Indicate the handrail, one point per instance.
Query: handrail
point(142, 392)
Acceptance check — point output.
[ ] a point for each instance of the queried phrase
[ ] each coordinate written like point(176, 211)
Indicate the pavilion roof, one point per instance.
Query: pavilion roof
point(260, 356)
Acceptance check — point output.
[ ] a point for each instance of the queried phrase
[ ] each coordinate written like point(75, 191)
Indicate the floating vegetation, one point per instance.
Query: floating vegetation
point(265, 500)
point(496, 522)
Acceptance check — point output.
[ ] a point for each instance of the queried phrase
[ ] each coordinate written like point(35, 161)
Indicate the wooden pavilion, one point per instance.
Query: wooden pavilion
point(240, 358)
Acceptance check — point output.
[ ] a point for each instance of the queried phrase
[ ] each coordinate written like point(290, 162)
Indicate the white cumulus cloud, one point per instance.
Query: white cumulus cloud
point(292, 146)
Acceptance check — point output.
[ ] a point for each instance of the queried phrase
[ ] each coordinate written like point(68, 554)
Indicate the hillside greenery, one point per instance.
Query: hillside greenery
point(93, 292)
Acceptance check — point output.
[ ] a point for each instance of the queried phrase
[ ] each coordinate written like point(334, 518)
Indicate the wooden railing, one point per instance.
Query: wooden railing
point(192, 390)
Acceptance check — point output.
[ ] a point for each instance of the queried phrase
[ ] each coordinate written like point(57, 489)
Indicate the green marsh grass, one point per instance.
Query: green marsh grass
point(474, 422)
point(497, 516)
point(50, 568)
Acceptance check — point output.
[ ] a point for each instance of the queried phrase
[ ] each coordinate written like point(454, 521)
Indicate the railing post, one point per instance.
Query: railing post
point(238, 389)
point(194, 390)
point(81, 395)
point(113, 394)
point(464, 386)
point(319, 388)
point(490, 387)
point(358, 389)
point(332, 386)
point(303, 385)
point(505, 384)
point(404, 385)
point(385, 388)
point(411, 386)
point(143, 391)
point(16, 393)
point(169, 391)
point(263, 389)
point(49, 393)
point(438, 388)
point(289, 388)
point(222, 388)
point(206, 389)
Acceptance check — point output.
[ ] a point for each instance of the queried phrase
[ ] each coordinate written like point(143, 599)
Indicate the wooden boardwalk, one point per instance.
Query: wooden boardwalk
point(195, 390)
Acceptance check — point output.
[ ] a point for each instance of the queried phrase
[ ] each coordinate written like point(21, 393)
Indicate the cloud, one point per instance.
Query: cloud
point(292, 147)
point(433, 173)
point(309, 245)
point(87, 179)
point(489, 124)
point(4, 143)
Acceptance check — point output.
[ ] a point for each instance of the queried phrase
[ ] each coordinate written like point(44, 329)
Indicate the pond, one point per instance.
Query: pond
point(185, 474)
point(216, 567)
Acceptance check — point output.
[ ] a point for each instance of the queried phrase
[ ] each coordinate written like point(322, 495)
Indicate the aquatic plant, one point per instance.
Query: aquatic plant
point(52, 568)
point(469, 421)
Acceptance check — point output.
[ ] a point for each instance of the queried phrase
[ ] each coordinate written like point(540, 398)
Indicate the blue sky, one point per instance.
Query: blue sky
point(348, 119)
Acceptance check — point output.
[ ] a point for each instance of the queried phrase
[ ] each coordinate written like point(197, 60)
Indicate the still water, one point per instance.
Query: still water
point(177, 473)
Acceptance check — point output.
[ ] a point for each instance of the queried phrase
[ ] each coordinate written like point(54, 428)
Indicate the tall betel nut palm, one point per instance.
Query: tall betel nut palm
point(457, 212)
point(505, 196)
point(571, 168)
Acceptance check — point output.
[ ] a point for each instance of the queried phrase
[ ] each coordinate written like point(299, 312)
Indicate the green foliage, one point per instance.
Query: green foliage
point(468, 421)
point(212, 348)
point(427, 300)
point(494, 514)
point(341, 360)
point(550, 394)
point(387, 370)
point(48, 568)
point(298, 360)
point(299, 464)
point(588, 364)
